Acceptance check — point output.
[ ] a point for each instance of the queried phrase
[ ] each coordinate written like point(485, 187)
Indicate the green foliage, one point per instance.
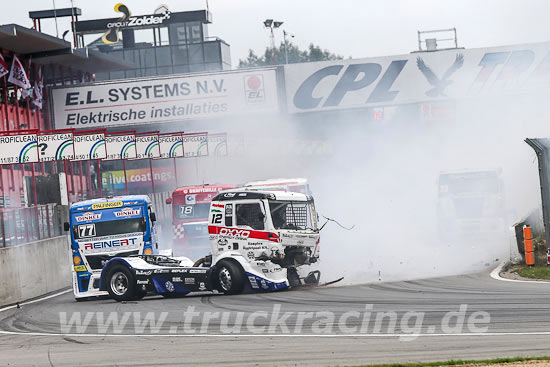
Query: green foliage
point(276, 56)
point(534, 272)
point(465, 362)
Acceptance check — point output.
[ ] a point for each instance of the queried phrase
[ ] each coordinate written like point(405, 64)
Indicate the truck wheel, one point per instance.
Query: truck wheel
point(229, 278)
point(121, 283)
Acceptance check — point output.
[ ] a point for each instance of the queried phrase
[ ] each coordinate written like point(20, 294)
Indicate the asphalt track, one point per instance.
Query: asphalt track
point(518, 325)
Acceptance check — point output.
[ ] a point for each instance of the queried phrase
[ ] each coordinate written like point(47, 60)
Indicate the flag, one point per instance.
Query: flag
point(18, 75)
point(38, 90)
point(3, 66)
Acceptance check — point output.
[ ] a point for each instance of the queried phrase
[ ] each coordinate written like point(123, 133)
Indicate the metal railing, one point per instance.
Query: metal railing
point(22, 225)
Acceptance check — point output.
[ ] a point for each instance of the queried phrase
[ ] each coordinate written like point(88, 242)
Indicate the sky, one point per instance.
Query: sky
point(350, 28)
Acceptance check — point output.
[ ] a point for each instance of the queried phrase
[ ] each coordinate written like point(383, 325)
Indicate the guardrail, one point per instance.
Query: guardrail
point(22, 225)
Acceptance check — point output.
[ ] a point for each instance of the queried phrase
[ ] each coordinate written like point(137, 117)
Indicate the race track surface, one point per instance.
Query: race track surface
point(507, 319)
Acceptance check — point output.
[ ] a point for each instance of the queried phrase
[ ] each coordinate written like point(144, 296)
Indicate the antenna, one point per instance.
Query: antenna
point(55, 16)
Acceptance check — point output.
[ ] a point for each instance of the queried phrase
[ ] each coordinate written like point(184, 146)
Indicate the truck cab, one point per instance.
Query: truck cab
point(270, 235)
point(190, 208)
point(102, 229)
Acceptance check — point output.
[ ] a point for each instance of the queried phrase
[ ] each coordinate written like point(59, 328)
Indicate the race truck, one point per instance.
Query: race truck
point(190, 206)
point(102, 229)
point(281, 184)
point(260, 241)
point(471, 205)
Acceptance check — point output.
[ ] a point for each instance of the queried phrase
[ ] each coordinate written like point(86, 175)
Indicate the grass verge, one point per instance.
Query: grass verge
point(534, 272)
point(461, 363)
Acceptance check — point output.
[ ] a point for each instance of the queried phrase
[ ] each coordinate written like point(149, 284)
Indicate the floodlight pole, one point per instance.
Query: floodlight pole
point(286, 47)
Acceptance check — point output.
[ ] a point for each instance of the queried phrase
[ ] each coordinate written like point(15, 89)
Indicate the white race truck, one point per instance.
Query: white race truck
point(260, 241)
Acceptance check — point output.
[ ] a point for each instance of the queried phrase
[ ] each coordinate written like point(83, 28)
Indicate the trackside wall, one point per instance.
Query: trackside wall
point(33, 269)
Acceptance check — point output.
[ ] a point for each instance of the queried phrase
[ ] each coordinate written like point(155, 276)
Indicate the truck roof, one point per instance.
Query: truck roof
point(244, 194)
point(278, 181)
point(126, 200)
point(198, 189)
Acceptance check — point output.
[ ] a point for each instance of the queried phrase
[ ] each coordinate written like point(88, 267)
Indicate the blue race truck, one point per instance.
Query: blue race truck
point(102, 229)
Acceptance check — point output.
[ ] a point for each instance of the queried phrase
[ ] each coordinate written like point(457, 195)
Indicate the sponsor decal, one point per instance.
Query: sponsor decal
point(250, 255)
point(176, 279)
point(142, 282)
point(229, 209)
point(197, 271)
point(115, 243)
point(202, 287)
point(234, 233)
point(161, 271)
point(176, 271)
point(222, 242)
point(229, 195)
point(144, 272)
point(127, 212)
point(253, 282)
point(190, 199)
point(169, 286)
point(112, 204)
point(88, 216)
point(254, 88)
point(79, 268)
point(189, 280)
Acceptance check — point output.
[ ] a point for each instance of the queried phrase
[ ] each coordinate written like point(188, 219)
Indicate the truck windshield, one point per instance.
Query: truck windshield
point(472, 183)
point(109, 228)
point(192, 211)
point(293, 215)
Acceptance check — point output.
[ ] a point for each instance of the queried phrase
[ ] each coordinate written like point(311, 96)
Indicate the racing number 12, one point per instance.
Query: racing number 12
point(216, 218)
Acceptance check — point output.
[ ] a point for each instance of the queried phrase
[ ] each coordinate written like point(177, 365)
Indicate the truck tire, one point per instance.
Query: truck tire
point(229, 278)
point(121, 283)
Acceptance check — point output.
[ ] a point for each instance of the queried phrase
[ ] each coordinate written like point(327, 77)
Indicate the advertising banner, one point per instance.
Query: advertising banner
point(56, 147)
point(195, 145)
point(21, 148)
point(417, 77)
point(165, 99)
point(217, 145)
point(171, 146)
point(121, 146)
point(138, 177)
point(147, 146)
point(89, 146)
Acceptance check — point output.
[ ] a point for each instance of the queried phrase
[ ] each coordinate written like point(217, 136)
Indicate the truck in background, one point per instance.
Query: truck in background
point(190, 209)
point(101, 229)
point(471, 204)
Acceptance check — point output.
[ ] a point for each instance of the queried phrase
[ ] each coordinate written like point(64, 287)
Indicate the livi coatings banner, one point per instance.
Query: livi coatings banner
point(165, 99)
point(21, 148)
point(138, 178)
point(56, 147)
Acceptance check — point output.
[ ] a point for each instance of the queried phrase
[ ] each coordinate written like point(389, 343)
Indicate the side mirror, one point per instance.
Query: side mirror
point(143, 225)
point(153, 217)
point(168, 201)
point(66, 226)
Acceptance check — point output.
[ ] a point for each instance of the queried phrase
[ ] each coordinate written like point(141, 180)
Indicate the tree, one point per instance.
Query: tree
point(276, 56)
